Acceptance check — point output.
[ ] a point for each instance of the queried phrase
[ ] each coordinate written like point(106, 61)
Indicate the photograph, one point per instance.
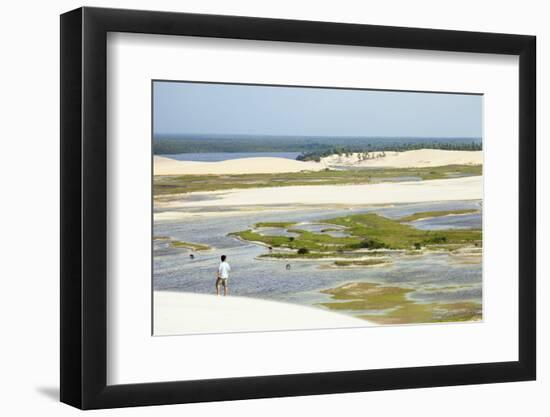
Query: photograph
point(295, 207)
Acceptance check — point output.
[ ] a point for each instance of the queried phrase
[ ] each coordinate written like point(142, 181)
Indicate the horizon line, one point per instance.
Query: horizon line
point(313, 136)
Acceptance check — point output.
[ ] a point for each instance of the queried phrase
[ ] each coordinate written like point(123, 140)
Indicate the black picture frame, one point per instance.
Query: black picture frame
point(84, 207)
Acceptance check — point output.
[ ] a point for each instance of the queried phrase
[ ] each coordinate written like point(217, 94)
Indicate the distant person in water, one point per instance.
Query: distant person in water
point(223, 276)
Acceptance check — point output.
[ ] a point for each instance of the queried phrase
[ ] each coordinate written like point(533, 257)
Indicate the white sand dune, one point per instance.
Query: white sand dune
point(186, 313)
point(467, 188)
point(409, 159)
point(262, 165)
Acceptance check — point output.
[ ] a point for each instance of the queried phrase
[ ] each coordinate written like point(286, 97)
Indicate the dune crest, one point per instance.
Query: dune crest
point(270, 165)
point(187, 313)
point(418, 158)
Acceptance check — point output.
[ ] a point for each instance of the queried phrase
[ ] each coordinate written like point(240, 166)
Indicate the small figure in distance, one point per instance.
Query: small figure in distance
point(223, 276)
point(192, 256)
point(288, 267)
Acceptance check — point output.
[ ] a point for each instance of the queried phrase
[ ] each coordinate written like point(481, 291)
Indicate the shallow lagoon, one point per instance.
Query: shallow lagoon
point(436, 277)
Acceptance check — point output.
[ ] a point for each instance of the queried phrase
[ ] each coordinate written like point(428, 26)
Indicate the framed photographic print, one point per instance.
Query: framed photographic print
point(258, 207)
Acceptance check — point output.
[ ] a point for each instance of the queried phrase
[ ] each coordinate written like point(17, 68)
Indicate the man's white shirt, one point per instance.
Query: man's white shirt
point(223, 270)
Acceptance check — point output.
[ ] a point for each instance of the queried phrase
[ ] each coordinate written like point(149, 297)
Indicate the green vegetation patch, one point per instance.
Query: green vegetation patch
point(275, 224)
point(309, 241)
point(363, 262)
point(429, 214)
point(275, 241)
point(189, 245)
point(394, 306)
point(429, 313)
point(366, 296)
point(377, 231)
point(295, 255)
point(370, 232)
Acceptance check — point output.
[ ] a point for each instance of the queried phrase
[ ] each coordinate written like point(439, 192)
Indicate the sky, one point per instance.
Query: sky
point(223, 109)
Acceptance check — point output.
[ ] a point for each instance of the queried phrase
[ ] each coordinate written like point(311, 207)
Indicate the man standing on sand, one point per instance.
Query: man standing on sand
point(223, 276)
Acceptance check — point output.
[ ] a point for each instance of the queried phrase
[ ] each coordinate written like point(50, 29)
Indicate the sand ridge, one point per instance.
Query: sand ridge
point(187, 313)
point(418, 158)
point(260, 165)
point(271, 165)
point(466, 188)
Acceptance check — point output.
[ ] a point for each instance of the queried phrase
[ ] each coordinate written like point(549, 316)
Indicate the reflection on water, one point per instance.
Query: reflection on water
point(324, 228)
point(455, 221)
point(275, 231)
point(434, 277)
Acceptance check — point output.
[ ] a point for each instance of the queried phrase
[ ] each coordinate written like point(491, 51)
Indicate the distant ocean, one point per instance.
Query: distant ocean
point(224, 156)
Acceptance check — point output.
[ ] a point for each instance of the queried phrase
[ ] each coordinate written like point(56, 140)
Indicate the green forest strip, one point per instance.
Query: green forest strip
point(307, 145)
point(179, 184)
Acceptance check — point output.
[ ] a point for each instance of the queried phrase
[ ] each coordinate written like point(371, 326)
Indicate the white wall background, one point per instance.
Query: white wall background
point(29, 176)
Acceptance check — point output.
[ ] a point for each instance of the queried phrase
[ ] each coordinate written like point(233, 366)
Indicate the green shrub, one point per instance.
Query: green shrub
point(436, 240)
point(371, 244)
point(303, 251)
